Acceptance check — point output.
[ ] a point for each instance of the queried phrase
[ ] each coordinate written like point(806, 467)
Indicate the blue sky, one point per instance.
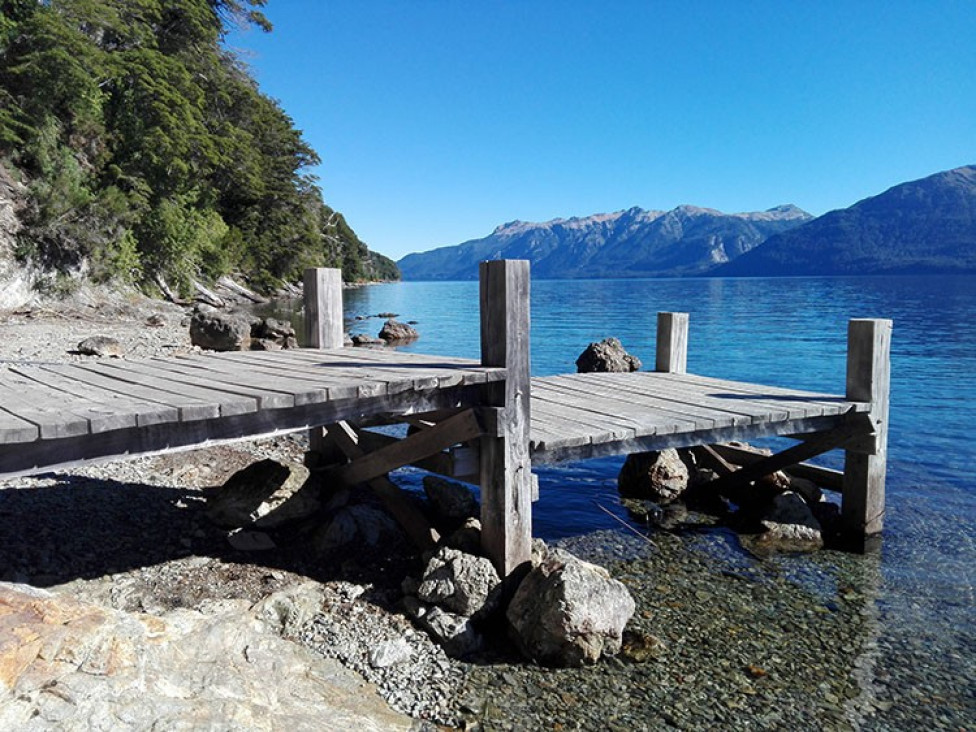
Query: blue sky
point(438, 120)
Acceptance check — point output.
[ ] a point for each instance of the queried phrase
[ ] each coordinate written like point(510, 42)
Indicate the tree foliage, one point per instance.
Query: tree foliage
point(149, 150)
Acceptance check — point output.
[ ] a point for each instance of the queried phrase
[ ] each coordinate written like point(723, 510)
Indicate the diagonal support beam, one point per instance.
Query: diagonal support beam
point(459, 428)
point(822, 442)
point(412, 521)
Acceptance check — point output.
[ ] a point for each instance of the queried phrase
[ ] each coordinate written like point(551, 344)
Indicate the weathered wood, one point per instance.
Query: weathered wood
point(412, 521)
point(459, 462)
point(672, 343)
point(459, 428)
point(818, 445)
point(868, 380)
point(323, 307)
point(506, 483)
point(823, 477)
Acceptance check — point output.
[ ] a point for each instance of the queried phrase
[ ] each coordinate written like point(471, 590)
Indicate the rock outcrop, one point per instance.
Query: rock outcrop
point(69, 665)
point(657, 476)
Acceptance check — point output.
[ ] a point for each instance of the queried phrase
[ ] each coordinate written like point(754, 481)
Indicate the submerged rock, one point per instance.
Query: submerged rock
point(790, 526)
point(606, 356)
point(394, 330)
point(567, 612)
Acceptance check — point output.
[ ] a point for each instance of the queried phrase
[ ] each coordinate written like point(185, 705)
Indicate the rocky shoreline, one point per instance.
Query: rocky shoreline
point(718, 639)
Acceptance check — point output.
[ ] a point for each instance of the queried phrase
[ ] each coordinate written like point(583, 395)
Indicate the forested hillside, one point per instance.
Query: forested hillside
point(148, 152)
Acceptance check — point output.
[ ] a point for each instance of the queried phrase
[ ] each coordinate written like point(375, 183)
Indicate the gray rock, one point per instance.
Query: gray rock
point(790, 526)
point(567, 612)
point(217, 331)
point(452, 502)
point(395, 331)
point(270, 334)
point(77, 666)
point(462, 583)
point(456, 634)
point(361, 523)
point(251, 541)
point(101, 346)
point(390, 653)
point(363, 340)
point(657, 476)
point(607, 356)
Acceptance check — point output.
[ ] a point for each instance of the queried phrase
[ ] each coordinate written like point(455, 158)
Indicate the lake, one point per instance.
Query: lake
point(786, 332)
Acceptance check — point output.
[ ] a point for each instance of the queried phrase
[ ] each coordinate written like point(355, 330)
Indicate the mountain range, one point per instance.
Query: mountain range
point(685, 241)
point(927, 225)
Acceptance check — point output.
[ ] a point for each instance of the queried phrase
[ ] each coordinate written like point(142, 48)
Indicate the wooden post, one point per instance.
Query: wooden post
point(323, 329)
point(672, 343)
point(323, 307)
point(868, 380)
point(506, 480)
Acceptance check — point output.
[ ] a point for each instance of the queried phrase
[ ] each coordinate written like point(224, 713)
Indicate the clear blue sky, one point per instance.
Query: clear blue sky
point(437, 120)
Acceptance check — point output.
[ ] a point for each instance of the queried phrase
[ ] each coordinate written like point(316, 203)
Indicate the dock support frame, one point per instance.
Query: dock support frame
point(672, 343)
point(506, 479)
point(868, 380)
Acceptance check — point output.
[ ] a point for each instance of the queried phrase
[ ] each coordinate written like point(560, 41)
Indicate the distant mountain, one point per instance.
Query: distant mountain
point(925, 226)
point(633, 243)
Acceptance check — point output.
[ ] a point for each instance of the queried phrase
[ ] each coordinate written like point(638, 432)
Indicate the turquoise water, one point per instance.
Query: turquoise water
point(788, 332)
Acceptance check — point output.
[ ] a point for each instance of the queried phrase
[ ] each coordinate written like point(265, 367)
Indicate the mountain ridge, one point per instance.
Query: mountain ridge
point(633, 242)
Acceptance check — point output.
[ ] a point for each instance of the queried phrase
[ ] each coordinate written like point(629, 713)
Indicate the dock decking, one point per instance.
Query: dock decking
point(59, 415)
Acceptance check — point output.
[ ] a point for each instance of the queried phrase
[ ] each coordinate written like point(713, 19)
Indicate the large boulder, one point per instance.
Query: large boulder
point(462, 583)
point(567, 612)
point(607, 356)
point(393, 331)
point(657, 476)
point(216, 331)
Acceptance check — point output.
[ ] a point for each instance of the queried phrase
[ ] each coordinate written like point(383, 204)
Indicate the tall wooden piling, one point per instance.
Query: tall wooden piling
point(323, 307)
point(322, 295)
point(506, 481)
point(672, 343)
point(868, 380)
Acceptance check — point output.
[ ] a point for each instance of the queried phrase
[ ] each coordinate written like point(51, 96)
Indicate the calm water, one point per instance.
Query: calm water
point(789, 332)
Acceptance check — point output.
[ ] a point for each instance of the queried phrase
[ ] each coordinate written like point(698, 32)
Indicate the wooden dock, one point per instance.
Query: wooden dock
point(484, 422)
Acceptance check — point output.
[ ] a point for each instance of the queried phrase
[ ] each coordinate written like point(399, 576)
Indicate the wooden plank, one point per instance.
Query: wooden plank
point(506, 478)
point(605, 426)
point(99, 416)
point(831, 403)
point(145, 413)
point(412, 521)
point(195, 375)
point(229, 404)
point(320, 384)
point(671, 387)
point(52, 419)
point(667, 401)
point(868, 380)
point(459, 428)
point(791, 456)
point(397, 365)
point(653, 416)
point(14, 430)
point(322, 296)
point(544, 453)
point(672, 343)
point(188, 408)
